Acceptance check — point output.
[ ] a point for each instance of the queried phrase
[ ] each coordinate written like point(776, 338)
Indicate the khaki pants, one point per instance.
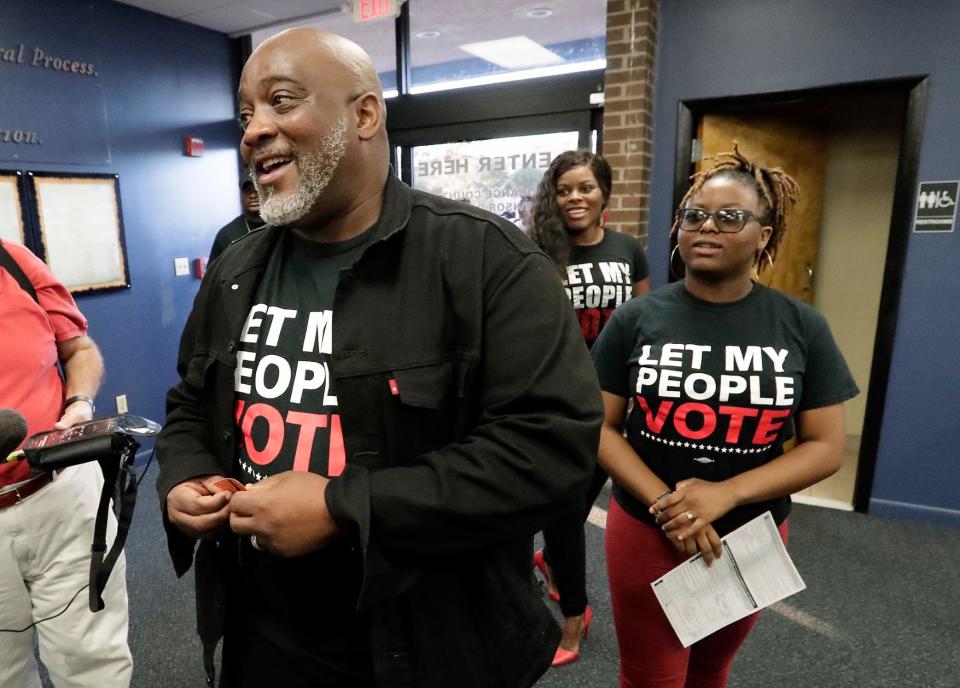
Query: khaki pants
point(44, 560)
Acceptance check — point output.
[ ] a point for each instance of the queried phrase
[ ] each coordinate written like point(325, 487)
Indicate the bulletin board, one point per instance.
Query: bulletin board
point(12, 223)
point(80, 226)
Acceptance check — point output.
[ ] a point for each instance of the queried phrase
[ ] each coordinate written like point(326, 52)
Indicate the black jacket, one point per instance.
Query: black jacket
point(493, 434)
point(237, 227)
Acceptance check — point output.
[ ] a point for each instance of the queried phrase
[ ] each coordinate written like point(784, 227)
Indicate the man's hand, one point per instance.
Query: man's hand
point(287, 512)
point(77, 412)
point(196, 510)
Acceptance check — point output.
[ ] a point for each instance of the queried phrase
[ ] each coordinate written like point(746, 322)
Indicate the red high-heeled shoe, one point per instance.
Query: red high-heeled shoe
point(565, 656)
point(541, 564)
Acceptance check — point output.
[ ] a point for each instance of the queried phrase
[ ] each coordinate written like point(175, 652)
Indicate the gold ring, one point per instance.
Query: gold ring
point(688, 515)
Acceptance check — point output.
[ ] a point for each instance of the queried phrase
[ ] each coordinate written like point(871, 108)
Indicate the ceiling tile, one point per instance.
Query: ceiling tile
point(231, 18)
point(289, 9)
point(177, 8)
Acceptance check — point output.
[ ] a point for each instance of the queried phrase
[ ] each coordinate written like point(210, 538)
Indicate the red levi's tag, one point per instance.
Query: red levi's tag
point(394, 388)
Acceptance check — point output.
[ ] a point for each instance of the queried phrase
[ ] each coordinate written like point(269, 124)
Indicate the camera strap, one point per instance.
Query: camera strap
point(119, 482)
point(16, 272)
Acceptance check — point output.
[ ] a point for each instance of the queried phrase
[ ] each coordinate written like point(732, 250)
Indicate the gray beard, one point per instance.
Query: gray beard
point(316, 168)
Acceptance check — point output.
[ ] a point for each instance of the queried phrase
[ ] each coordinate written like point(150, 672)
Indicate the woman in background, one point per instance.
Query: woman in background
point(601, 269)
point(719, 368)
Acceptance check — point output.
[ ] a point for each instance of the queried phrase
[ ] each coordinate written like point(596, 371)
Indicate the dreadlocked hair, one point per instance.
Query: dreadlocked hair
point(777, 191)
point(548, 229)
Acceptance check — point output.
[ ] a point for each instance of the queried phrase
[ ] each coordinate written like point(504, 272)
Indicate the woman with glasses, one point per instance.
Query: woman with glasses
point(601, 269)
point(720, 370)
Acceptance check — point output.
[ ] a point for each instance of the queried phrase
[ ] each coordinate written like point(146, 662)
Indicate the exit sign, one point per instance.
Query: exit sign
point(368, 10)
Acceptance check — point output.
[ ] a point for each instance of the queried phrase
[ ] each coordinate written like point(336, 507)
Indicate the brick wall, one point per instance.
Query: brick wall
point(628, 110)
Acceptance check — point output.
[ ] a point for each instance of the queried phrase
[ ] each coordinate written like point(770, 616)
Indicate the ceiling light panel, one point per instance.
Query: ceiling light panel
point(515, 52)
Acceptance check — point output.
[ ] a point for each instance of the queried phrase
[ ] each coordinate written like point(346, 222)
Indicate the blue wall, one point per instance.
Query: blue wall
point(735, 47)
point(161, 80)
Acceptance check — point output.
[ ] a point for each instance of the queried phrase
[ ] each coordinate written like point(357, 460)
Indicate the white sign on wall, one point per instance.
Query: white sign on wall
point(936, 207)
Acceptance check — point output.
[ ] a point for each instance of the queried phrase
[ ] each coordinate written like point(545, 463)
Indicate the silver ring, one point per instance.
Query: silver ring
point(689, 516)
point(255, 544)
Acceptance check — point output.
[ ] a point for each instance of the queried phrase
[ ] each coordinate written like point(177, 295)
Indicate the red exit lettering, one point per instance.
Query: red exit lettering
point(372, 9)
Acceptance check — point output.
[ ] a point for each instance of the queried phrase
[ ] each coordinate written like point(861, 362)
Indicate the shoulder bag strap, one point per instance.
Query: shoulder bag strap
point(10, 265)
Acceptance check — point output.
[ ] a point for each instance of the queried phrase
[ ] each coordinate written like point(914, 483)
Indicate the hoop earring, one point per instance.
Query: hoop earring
point(673, 272)
point(758, 266)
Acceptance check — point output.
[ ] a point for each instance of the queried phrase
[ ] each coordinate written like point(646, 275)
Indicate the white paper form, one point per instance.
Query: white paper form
point(754, 572)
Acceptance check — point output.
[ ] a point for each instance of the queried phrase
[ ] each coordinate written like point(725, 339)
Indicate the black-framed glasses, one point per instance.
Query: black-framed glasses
point(727, 220)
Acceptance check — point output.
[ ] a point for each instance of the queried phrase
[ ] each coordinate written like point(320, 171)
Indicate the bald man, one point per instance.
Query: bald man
point(381, 400)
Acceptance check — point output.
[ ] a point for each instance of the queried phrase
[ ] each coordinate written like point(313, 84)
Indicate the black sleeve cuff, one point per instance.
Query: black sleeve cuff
point(348, 501)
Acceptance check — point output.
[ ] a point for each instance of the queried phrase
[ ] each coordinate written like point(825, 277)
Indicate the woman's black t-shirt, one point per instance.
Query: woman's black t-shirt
point(601, 277)
point(715, 386)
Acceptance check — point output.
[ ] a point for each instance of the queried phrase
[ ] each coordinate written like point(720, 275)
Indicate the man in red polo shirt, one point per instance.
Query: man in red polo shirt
point(46, 520)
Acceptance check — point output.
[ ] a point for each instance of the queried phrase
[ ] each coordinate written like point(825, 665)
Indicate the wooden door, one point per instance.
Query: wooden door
point(800, 148)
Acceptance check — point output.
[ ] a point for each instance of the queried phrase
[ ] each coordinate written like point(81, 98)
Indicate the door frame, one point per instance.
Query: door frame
point(490, 129)
point(517, 108)
point(915, 89)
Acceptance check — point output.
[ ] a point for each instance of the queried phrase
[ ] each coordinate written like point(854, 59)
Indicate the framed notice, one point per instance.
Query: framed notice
point(11, 207)
point(81, 229)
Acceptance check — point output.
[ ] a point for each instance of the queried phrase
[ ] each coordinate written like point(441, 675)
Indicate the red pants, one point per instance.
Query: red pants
point(651, 656)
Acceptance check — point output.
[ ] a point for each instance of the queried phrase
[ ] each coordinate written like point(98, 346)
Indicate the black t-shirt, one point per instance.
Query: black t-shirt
point(601, 277)
point(287, 419)
point(715, 386)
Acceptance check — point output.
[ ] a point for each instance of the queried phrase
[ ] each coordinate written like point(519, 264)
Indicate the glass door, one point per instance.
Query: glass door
point(496, 164)
point(499, 174)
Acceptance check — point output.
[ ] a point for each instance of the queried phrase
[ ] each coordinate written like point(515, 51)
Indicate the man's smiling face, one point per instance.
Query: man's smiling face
point(295, 119)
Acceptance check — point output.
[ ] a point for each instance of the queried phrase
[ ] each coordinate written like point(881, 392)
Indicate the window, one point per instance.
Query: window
point(470, 44)
point(378, 38)
point(493, 174)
